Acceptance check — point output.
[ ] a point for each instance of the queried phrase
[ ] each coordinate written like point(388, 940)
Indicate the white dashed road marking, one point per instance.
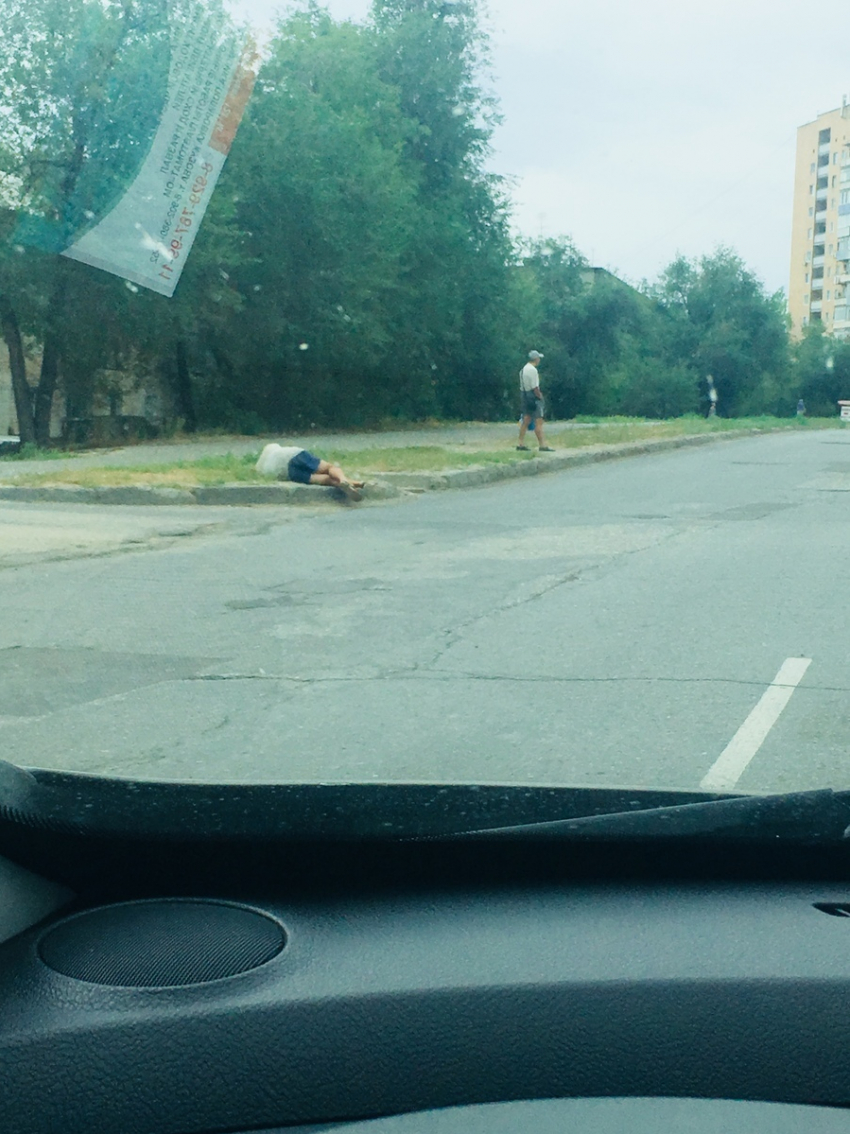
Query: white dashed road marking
point(733, 761)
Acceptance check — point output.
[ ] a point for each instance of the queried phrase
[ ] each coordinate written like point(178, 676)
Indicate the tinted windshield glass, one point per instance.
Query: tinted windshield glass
point(424, 390)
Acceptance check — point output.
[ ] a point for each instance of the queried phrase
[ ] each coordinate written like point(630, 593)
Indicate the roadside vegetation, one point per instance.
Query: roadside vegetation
point(356, 264)
point(376, 461)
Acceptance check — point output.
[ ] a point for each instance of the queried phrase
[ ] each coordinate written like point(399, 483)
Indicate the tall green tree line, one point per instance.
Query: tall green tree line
point(356, 261)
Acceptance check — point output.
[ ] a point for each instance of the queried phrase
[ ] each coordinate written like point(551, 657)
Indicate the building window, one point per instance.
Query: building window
point(830, 249)
point(807, 277)
point(806, 298)
point(825, 136)
point(811, 212)
point(829, 294)
point(832, 226)
point(832, 203)
point(812, 168)
point(808, 257)
point(811, 190)
point(833, 181)
point(835, 158)
point(805, 320)
point(809, 237)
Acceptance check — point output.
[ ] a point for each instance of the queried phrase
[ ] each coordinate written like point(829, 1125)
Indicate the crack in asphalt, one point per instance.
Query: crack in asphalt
point(416, 673)
point(455, 635)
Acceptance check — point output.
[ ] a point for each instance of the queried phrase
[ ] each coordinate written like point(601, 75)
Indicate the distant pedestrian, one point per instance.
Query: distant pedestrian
point(712, 397)
point(532, 403)
point(300, 465)
point(801, 408)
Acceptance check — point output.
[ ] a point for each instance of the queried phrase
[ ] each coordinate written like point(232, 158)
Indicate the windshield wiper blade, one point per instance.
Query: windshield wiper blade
point(809, 816)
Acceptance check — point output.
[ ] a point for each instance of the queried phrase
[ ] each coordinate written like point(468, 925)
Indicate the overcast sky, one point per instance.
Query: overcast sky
point(646, 129)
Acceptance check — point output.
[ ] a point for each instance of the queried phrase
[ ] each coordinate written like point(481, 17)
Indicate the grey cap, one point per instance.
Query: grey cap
point(534, 354)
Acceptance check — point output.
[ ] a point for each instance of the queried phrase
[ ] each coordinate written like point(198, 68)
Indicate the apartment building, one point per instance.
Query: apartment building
point(820, 238)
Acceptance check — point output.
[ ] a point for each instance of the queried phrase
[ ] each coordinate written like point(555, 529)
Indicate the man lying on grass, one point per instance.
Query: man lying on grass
point(288, 462)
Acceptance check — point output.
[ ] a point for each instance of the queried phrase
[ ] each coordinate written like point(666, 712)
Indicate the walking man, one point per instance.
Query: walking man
point(532, 403)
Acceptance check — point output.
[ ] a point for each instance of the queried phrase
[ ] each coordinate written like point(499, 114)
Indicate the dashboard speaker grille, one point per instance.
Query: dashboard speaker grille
point(161, 943)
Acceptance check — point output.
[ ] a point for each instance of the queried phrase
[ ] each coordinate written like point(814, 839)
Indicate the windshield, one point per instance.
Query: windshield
point(425, 391)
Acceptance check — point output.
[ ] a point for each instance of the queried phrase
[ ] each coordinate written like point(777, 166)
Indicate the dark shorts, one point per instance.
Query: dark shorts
point(302, 466)
point(531, 406)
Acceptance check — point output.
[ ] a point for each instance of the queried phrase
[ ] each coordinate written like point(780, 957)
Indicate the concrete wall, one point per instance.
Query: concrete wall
point(8, 417)
point(8, 420)
point(146, 400)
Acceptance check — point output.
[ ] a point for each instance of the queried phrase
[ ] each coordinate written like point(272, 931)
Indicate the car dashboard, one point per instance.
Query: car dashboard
point(163, 985)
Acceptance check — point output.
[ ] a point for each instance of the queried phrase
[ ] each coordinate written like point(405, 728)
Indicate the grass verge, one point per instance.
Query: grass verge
point(231, 469)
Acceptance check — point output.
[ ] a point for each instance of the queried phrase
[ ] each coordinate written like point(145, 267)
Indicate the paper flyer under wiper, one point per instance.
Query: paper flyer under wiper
point(146, 237)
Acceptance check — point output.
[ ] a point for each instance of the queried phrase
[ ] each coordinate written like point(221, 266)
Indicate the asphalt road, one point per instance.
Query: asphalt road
point(616, 624)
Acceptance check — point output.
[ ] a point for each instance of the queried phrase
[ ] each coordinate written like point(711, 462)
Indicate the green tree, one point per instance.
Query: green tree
point(322, 209)
point(821, 371)
point(84, 82)
point(454, 325)
point(723, 323)
point(606, 344)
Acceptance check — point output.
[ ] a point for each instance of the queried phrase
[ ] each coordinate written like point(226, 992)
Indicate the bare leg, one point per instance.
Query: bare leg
point(538, 431)
point(334, 474)
point(524, 424)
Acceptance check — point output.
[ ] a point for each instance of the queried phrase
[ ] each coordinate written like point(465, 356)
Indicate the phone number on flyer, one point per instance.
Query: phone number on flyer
point(186, 219)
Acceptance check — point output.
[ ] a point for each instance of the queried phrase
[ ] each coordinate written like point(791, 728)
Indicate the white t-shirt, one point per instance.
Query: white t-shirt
point(528, 377)
point(274, 459)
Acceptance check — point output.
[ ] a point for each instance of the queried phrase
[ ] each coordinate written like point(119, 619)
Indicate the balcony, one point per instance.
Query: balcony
point(823, 149)
point(820, 216)
point(818, 262)
point(815, 307)
point(821, 194)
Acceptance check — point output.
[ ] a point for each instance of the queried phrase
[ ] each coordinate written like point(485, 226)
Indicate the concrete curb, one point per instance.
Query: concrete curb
point(225, 494)
point(391, 487)
point(556, 462)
